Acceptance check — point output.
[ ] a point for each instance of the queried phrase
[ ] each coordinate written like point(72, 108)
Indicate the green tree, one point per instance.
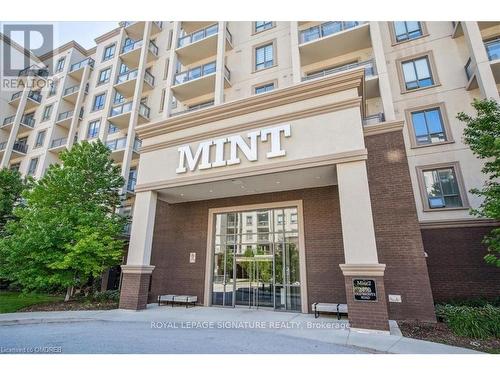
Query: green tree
point(68, 231)
point(482, 134)
point(11, 187)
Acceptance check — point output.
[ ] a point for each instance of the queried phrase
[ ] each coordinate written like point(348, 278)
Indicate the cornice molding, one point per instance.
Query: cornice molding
point(383, 127)
point(465, 223)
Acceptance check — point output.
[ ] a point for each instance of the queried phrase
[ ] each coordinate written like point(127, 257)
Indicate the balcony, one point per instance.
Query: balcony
point(374, 119)
point(36, 72)
point(332, 39)
point(197, 81)
point(118, 147)
point(19, 148)
point(131, 53)
point(58, 145)
point(64, 119)
point(493, 51)
point(194, 108)
point(34, 99)
point(70, 94)
point(135, 29)
point(76, 70)
point(131, 184)
point(200, 44)
point(470, 74)
point(125, 82)
point(3, 146)
point(120, 114)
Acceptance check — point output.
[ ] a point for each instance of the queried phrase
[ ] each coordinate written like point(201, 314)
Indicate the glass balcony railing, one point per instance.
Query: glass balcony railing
point(36, 96)
point(129, 23)
point(368, 65)
point(493, 49)
point(3, 145)
point(149, 78)
point(127, 76)
point(469, 69)
point(374, 119)
point(28, 121)
point(138, 44)
point(197, 35)
point(58, 142)
point(16, 95)
point(121, 143)
point(325, 29)
point(21, 147)
point(81, 64)
point(227, 73)
point(144, 110)
point(121, 109)
point(71, 90)
point(195, 108)
point(194, 73)
point(34, 70)
point(8, 120)
point(64, 115)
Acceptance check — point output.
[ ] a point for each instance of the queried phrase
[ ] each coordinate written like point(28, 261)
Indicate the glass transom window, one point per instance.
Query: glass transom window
point(417, 73)
point(442, 189)
point(428, 126)
point(406, 30)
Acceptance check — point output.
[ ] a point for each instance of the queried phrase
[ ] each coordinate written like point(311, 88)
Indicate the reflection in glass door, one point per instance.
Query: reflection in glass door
point(256, 259)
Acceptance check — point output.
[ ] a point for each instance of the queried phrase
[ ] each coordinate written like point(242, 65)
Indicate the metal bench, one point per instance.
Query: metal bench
point(173, 298)
point(338, 308)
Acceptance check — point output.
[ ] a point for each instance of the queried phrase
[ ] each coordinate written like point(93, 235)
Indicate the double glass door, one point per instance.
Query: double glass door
point(256, 259)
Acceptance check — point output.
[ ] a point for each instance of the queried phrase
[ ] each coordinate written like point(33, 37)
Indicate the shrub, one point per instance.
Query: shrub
point(472, 302)
point(474, 322)
point(108, 295)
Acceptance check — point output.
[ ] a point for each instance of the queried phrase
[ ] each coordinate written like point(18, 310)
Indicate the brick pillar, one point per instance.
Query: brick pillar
point(366, 314)
point(135, 286)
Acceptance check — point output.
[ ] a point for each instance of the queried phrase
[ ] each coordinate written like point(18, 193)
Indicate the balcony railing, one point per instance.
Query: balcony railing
point(153, 48)
point(368, 65)
point(137, 44)
point(120, 109)
point(121, 143)
point(34, 70)
point(28, 121)
point(129, 23)
point(227, 73)
point(149, 78)
point(8, 120)
point(374, 119)
point(194, 108)
point(36, 96)
point(3, 145)
point(89, 61)
point(469, 69)
point(127, 76)
point(65, 115)
point(59, 142)
point(131, 183)
point(71, 90)
point(194, 73)
point(20, 147)
point(325, 29)
point(198, 35)
point(493, 49)
point(16, 95)
point(144, 110)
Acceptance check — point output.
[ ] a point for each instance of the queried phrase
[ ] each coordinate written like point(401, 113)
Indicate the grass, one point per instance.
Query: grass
point(14, 301)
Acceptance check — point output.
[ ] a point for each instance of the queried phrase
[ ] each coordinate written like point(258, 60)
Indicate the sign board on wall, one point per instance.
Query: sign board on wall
point(192, 257)
point(364, 290)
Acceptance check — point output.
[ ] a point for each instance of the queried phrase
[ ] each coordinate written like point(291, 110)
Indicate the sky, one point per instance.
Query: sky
point(82, 32)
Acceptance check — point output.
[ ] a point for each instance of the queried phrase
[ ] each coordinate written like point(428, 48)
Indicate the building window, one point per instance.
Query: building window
point(429, 126)
point(32, 166)
point(165, 73)
point(442, 187)
point(93, 130)
point(123, 68)
point(407, 30)
point(264, 56)
point(40, 137)
point(109, 52)
point(98, 102)
point(417, 73)
point(52, 88)
point(293, 218)
point(162, 99)
point(119, 98)
point(264, 88)
point(262, 25)
point(47, 111)
point(60, 64)
point(249, 220)
point(104, 76)
point(112, 129)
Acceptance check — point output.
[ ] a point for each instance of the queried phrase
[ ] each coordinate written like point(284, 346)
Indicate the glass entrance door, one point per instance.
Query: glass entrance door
point(256, 259)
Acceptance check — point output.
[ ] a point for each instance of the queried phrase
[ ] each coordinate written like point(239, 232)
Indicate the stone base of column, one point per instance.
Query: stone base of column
point(135, 286)
point(365, 311)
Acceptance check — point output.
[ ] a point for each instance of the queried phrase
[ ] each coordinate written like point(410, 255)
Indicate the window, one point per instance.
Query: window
point(109, 52)
point(124, 68)
point(165, 73)
point(98, 102)
point(407, 30)
point(264, 56)
point(293, 218)
point(262, 25)
point(264, 88)
point(162, 99)
point(47, 111)
point(32, 166)
point(441, 187)
point(60, 64)
point(249, 220)
point(112, 129)
point(169, 42)
point(40, 137)
point(119, 98)
point(417, 73)
point(52, 88)
point(104, 76)
point(428, 126)
point(93, 130)
point(15, 167)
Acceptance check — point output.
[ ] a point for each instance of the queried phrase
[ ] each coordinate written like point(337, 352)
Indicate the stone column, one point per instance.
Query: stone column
point(360, 250)
point(381, 71)
point(172, 65)
point(479, 57)
point(136, 273)
point(294, 50)
point(220, 64)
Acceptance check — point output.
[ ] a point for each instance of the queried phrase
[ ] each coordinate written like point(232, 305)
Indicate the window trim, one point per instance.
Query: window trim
point(395, 42)
point(254, 27)
point(99, 83)
point(104, 52)
point(432, 67)
point(446, 124)
point(92, 109)
point(265, 83)
point(274, 43)
point(460, 182)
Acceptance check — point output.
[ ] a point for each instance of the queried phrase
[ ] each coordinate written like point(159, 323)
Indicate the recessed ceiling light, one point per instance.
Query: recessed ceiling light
point(278, 182)
point(182, 194)
point(318, 177)
point(210, 191)
point(237, 182)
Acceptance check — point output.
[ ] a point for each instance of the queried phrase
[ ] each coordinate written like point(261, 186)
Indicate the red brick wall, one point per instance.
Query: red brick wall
point(456, 266)
point(182, 228)
point(397, 231)
point(134, 291)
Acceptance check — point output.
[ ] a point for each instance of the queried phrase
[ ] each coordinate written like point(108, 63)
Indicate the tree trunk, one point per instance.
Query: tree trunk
point(69, 293)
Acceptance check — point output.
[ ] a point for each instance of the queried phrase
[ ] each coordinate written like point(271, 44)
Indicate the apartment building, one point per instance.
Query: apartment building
point(278, 164)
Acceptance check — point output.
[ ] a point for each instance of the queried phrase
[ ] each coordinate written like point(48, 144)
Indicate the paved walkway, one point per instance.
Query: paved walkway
point(196, 330)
